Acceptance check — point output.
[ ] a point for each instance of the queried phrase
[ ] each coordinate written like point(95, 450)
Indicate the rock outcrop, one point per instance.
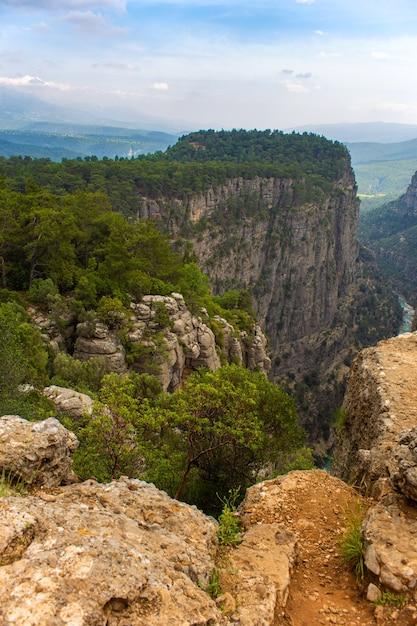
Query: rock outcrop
point(37, 453)
point(69, 401)
point(380, 404)
point(376, 450)
point(122, 553)
point(97, 340)
point(167, 340)
point(125, 553)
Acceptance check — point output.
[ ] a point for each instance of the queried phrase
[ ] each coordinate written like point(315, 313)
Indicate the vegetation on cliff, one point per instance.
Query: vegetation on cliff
point(390, 231)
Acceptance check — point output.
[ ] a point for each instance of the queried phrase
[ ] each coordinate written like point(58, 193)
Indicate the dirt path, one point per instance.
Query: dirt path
point(323, 589)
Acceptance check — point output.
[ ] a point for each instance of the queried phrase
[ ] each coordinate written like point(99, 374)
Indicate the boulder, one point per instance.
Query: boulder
point(389, 531)
point(68, 400)
point(90, 554)
point(38, 453)
point(100, 341)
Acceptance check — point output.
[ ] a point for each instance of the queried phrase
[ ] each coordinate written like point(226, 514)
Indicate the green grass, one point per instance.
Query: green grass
point(229, 532)
point(352, 543)
point(390, 598)
point(10, 485)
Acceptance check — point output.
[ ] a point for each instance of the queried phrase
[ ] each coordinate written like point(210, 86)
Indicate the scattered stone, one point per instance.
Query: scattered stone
point(373, 592)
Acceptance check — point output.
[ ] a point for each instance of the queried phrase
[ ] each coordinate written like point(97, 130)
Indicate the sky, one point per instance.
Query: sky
point(211, 64)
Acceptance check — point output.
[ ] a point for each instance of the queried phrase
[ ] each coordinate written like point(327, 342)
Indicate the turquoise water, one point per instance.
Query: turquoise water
point(408, 316)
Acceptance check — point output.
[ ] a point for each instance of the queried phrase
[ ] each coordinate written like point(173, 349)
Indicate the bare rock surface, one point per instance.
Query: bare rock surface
point(69, 400)
point(38, 453)
point(376, 449)
point(100, 341)
point(380, 403)
point(402, 465)
point(188, 342)
point(389, 531)
point(116, 554)
point(303, 517)
point(264, 561)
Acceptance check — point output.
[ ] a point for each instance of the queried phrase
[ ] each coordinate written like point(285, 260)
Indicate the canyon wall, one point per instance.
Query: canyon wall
point(295, 248)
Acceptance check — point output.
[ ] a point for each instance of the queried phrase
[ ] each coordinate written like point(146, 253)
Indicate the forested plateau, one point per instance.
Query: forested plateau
point(247, 225)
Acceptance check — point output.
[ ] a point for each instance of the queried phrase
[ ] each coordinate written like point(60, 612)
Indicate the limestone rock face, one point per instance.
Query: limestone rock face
point(402, 464)
point(380, 402)
point(91, 554)
point(264, 561)
point(100, 341)
point(298, 255)
point(376, 449)
point(187, 342)
point(69, 400)
point(391, 551)
point(168, 341)
point(39, 453)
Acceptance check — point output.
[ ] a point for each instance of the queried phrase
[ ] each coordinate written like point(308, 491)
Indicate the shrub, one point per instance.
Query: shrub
point(390, 598)
point(229, 532)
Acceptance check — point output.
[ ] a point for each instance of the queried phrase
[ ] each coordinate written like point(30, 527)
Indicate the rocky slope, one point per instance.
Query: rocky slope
point(376, 450)
point(161, 337)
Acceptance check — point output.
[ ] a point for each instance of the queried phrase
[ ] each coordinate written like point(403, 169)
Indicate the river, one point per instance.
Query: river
point(408, 316)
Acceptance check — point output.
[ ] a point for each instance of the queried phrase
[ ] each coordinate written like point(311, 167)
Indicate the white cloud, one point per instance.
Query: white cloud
point(305, 1)
point(294, 87)
point(92, 23)
point(28, 81)
point(382, 56)
point(319, 32)
point(326, 55)
point(160, 86)
point(119, 66)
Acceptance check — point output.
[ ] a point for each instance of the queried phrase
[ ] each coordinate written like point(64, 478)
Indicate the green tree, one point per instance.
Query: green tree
point(219, 431)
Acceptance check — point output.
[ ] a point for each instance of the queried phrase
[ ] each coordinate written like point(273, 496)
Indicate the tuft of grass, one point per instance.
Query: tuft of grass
point(229, 532)
point(214, 588)
point(352, 543)
point(10, 485)
point(391, 598)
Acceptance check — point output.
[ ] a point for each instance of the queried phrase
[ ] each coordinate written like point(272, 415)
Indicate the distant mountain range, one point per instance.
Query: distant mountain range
point(379, 132)
point(32, 127)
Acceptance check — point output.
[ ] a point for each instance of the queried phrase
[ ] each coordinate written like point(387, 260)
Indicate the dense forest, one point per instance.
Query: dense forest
point(196, 163)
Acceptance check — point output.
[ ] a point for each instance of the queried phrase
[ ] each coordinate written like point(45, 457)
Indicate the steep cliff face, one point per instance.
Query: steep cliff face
point(295, 247)
point(391, 232)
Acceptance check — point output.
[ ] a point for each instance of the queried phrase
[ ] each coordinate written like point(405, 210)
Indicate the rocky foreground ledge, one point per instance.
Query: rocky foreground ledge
point(377, 452)
point(125, 554)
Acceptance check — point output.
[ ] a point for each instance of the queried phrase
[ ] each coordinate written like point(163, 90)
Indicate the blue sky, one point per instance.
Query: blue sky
point(205, 63)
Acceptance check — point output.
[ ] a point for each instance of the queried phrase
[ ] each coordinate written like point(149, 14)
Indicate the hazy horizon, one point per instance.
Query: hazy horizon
point(205, 63)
